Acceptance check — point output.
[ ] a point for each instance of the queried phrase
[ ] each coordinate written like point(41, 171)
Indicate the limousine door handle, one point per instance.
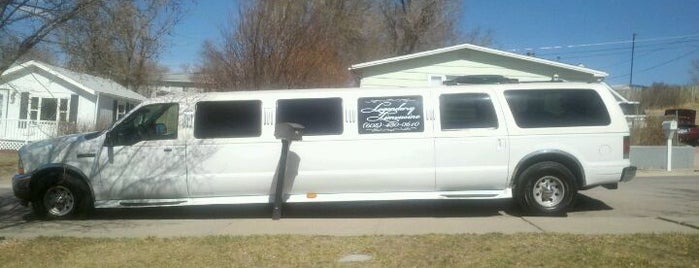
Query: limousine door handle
point(168, 150)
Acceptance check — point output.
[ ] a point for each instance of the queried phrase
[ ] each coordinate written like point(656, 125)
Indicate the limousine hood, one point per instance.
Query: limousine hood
point(60, 150)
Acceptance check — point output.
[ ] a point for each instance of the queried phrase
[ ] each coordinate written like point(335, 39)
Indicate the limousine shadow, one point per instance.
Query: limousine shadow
point(373, 209)
point(14, 215)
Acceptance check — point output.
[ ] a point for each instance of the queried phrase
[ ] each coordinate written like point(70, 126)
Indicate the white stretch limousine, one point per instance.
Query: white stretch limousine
point(538, 143)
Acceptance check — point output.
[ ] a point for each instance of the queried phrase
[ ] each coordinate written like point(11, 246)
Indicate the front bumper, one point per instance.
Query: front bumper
point(20, 186)
point(628, 174)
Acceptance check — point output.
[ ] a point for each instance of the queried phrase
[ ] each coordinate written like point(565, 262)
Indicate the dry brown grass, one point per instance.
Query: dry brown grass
point(8, 166)
point(649, 134)
point(498, 250)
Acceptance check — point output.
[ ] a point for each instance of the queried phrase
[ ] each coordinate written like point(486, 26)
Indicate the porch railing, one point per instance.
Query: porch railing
point(27, 130)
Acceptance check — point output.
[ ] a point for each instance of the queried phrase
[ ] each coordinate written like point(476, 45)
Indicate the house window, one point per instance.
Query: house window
point(435, 80)
point(47, 109)
point(120, 108)
point(34, 108)
point(63, 110)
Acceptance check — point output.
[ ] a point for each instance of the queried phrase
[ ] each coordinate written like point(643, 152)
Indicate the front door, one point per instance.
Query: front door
point(143, 156)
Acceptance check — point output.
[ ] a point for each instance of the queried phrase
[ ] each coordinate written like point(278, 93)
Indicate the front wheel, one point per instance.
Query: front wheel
point(63, 198)
point(546, 188)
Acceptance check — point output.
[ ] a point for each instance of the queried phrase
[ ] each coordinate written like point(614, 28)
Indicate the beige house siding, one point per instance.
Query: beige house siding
point(416, 72)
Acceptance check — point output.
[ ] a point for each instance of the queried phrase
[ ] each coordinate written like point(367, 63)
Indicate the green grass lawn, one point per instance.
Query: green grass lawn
point(496, 250)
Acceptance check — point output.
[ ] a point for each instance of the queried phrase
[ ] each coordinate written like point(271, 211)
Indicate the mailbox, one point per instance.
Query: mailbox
point(288, 131)
point(669, 128)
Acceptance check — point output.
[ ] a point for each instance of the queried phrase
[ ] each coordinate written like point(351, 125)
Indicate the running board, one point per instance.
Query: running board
point(466, 196)
point(151, 204)
point(309, 197)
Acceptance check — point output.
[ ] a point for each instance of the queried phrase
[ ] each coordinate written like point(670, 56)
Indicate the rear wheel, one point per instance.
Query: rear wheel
point(63, 198)
point(546, 188)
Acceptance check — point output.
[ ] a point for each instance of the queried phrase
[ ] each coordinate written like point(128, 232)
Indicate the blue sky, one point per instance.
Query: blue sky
point(594, 33)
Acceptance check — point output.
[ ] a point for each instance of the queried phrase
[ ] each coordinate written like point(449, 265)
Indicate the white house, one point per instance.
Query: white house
point(433, 67)
point(38, 101)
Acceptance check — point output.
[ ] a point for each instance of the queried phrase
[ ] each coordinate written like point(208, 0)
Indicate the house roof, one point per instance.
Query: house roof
point(90, 83)
point(595, 73)
point(177, 77)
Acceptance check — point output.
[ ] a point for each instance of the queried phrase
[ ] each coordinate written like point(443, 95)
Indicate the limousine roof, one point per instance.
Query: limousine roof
point(330, 92)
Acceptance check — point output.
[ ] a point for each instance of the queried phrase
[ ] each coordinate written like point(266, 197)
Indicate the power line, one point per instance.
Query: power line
point(606, 43)
point(660, 64)
point(639, 52)
point(621, 49)
point(646, 53)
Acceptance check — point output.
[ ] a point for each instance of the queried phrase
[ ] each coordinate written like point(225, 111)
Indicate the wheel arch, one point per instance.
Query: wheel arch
point(562, 157)
point(43, 173)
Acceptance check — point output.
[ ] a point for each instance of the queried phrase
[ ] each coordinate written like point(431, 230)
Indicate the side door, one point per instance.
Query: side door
point(471, 146)
point(232, 151)
point(144, 156)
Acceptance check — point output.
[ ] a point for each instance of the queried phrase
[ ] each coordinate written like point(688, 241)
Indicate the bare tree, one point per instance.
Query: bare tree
point(283, 44)
point(25, 23)
point(121, 40)
point(415, 25)
point(305, 43)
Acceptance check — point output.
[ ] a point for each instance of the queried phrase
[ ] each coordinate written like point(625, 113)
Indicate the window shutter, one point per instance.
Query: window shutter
point(23, 105)
point(73, 116)
point(114, 111)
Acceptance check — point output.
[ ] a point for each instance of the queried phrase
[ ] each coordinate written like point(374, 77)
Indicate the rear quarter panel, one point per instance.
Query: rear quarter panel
point(599, 149)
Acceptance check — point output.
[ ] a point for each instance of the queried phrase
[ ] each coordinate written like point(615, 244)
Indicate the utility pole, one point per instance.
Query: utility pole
point(633, 46)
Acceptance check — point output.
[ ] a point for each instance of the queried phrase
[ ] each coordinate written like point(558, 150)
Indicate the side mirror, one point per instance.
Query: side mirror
point(108, 139)
point(288, 131)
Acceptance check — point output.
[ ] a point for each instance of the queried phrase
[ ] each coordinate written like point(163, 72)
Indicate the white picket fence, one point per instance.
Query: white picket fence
point(16, 132)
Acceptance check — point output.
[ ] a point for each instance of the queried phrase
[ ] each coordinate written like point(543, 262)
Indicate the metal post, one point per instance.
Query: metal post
point(279, 189)
point(633, 46)
point(669, 153)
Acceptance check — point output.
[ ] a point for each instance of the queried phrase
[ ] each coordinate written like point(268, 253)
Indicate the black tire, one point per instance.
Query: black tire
point(61, 196)
point(546, 188)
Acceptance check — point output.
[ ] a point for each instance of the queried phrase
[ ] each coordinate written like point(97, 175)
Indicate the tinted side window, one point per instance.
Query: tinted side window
point(557, 108)
point(150, 122)
point(228, 119)
point(390, 114)
point(468, 110)
point(318, 116)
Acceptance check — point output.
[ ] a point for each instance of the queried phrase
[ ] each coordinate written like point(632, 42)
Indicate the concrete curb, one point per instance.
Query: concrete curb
point(350, 226)
point(664, 173)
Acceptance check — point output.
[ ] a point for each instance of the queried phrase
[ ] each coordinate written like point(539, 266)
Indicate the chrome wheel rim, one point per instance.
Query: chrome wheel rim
point(59, 201)
point(548, 191)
